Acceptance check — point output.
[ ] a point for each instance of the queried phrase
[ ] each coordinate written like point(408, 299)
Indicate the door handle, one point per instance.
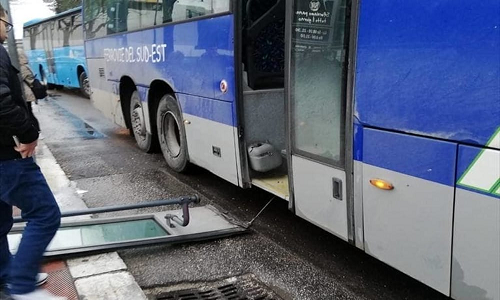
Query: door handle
point(337, 188)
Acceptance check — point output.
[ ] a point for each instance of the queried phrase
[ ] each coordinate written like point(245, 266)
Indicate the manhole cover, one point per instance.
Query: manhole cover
point(234, 288)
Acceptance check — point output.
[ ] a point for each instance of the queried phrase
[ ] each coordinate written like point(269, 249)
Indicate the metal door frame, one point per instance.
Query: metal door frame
point(348, 93)
point(176, 228)
point(170, 238)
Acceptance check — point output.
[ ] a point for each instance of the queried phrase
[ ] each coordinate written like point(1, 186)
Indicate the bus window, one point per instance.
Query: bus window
point(57, 35)
point(117, 12)
point(220, 6)
point(65, 30)
point(142, 14)
point(77, 31)
point(264, 43)
point(318, 79)
point(127, 15)
point(36, 35)
point(26, 39)
point(69, 32)
point(95, 18)
point(187, 9)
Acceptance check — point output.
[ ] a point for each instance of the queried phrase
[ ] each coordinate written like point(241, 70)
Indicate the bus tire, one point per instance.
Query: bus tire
point(84, 85)
point(145, 140)
point(172, 134)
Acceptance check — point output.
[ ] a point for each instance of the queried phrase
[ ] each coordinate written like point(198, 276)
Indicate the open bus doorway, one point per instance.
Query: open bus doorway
point(304, 118)
point(263, 95)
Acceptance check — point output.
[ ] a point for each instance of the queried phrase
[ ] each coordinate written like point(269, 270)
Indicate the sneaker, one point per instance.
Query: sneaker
point(41, 279)
point(38, 294)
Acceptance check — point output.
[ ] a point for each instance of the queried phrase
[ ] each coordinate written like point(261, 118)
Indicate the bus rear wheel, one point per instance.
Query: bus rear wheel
point(84, 85)
point(172, 134)
point(145, 140)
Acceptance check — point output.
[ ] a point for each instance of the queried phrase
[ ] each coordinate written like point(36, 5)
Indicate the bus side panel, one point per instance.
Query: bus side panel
point(37, 62)
point(193, 58)
point(224, 59)
point(476, 238)
point(410, 227)
point(430, 68)
point(104, 96)
point(184, 55)
point(67, 61)
point(210, 135)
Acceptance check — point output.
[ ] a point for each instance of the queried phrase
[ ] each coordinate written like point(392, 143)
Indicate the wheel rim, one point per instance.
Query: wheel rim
point(137, 120)
point(171, 133)
point(86, 85)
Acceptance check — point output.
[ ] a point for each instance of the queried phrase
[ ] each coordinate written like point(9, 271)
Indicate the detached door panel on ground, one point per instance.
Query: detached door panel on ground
point(97, 235)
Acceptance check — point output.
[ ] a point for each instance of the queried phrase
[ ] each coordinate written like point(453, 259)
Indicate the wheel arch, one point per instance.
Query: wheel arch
point(79, 70)
point(127, 87)
point(158, 89)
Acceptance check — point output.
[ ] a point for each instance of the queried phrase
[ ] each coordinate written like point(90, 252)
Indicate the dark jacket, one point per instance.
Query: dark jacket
point(15, 118)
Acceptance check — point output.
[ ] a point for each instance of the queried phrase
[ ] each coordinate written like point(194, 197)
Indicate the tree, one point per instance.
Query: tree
point(64, 5)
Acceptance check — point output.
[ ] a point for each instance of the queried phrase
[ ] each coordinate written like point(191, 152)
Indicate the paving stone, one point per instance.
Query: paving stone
point(111, 286)
point(96, 264)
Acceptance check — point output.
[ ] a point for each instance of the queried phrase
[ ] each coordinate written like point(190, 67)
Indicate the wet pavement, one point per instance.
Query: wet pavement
point(292, 257)
point(96, 277)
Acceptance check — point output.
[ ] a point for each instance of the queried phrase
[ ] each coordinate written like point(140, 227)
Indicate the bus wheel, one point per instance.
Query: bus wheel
point(84, 85)
point(142, 137)
point(171, 134)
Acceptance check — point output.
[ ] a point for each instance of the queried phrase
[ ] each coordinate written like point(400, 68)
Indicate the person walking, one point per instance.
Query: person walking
point(32, 88)
point(23, 185)
point(27, 76)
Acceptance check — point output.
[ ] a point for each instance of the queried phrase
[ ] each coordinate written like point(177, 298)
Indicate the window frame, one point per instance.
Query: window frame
point(230, 11)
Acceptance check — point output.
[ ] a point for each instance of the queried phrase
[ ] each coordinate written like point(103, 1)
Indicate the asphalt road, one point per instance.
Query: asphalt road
point(294, 258)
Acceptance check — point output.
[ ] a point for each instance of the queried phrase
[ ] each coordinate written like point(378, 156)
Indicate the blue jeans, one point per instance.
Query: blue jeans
point(22, 184)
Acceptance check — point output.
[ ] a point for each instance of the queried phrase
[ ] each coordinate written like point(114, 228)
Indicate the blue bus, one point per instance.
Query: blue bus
point(378, 121)
point(54, 48)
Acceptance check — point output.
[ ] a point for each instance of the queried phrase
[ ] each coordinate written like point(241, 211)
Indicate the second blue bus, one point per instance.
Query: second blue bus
point(54, 48)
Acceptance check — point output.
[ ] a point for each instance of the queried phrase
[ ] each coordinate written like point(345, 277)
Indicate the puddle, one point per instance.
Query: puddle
point(82, 128)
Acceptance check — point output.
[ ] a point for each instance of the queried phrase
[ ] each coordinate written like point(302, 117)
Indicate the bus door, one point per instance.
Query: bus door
point(48, 46)
point(81, 235)
point(316, 112)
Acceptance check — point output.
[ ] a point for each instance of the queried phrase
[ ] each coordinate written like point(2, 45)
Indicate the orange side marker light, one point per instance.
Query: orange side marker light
point(381, 184)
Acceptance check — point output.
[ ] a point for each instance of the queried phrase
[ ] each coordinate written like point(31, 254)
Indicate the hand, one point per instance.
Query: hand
point(27, 150)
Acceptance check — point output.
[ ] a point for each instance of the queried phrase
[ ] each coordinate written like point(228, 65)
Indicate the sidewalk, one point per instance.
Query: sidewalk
point(97, 277)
